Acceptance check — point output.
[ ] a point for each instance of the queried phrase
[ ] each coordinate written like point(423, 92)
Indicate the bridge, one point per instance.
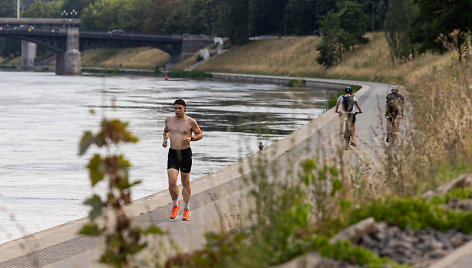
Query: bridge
point(64, 38)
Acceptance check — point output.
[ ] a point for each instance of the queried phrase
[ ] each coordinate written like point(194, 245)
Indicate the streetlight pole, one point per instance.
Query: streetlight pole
point(18, 9)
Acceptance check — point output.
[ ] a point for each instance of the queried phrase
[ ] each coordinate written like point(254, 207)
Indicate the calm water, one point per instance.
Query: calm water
point(43, 181)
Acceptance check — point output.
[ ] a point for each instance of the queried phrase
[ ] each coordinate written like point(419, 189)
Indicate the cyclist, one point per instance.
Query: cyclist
point(347, 102)
point(393, 111)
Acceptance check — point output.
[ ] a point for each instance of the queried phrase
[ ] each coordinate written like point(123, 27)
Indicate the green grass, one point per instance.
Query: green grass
point(195, 74)
point(103, 71)
point(297, 83)
point(414, 213)
point(334, 97)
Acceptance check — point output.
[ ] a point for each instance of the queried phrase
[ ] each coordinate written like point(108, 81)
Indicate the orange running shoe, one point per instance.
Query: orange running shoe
point(175, 211)
point(186, 216)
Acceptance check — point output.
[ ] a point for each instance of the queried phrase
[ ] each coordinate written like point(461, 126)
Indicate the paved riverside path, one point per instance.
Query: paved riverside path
point(217, 199)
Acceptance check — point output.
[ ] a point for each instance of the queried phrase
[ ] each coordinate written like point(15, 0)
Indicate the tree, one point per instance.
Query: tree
point(115, 14)
point(397, 26)
point(77, 5)
point(43, 10)
point(8, 8)
point(234, 20)
point(330, 48)
point(155, 15)
point(266, 16)
point(300, 17)
point(439, 17)
point(8, 47)
point(353, 24)
point(202, 16)
point(177, 21)
point(341, 30)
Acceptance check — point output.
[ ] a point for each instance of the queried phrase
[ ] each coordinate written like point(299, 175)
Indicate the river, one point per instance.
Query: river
point(43, 181)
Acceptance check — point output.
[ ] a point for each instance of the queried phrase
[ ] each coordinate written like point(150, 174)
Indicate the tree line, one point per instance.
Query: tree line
point(409, 25)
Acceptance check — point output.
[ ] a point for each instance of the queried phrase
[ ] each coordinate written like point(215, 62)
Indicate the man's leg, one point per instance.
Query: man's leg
point(186, 192)
point(389, 129)
point(397, 123)
point(341, 123)
point(353, 133)
point(172, 174)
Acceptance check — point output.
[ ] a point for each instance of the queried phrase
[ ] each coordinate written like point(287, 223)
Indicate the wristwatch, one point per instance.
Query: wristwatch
point(191, 138)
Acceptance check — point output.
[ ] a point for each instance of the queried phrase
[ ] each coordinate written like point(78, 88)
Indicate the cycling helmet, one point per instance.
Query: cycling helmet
point(394, 88)
point(348, 90)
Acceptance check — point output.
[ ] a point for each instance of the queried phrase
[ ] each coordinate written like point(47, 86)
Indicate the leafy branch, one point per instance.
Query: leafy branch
point(123, 240)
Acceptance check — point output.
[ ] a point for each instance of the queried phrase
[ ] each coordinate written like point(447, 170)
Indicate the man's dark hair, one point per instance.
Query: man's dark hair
point(180, 101)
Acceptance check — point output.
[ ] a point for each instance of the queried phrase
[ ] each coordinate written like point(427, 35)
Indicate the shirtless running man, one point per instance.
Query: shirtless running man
point(179, 129)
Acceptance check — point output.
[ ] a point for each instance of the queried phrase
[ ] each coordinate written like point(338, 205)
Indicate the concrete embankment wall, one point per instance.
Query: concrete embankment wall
point(279, 80)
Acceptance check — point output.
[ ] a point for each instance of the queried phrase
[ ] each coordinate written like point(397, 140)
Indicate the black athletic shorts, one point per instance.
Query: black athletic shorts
point(351, 117)
point(392, 114)
point(180, 160)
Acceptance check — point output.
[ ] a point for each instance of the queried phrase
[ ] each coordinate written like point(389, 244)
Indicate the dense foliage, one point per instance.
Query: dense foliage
point(342, 30)
point(415, 214)
point(397, 27)
point(439, 17)
point(8, 47)
point(123, 238)
point(237, 19)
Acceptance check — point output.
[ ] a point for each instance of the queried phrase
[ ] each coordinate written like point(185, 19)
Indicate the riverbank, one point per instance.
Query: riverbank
point(292, 56)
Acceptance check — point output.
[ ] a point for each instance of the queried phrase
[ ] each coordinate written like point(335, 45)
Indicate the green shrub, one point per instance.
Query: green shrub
point(195, 74)
point(103, 71)
point(414, 213)
point(340, 250)
point(334, 97)
point(459, 193)
point(297, 83)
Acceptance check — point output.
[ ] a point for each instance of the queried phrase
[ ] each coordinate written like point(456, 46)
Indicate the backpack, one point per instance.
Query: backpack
point(395, 102)
point(348, 103)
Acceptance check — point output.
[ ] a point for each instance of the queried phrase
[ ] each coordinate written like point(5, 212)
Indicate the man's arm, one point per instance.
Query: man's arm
point(165, 135)
point(197, 131)
point(337, 106)
point(358, 106)
point(386, 103)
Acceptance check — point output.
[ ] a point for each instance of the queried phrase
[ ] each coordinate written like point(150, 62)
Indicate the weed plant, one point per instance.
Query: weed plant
point(195, 74)
point(414, 213)
point(102, 71)
point(436, 144)
point(297, 83)
point(334, 97)
point(123, 240)
point(278, 227)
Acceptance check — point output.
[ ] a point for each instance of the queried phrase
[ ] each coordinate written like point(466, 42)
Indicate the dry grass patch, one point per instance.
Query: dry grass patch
point(136, 58)
point(297, 56)
point(187, 62)
point(291, 56)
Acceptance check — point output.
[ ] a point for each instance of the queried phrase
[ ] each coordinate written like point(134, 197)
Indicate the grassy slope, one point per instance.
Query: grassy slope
point(135, 58)
point(297, 56)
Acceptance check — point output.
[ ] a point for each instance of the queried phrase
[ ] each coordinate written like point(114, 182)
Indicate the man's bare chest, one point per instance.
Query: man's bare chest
point(179, 127)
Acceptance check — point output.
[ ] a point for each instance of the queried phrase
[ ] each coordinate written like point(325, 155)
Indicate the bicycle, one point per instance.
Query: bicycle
point(394, 129)
point(349, 118)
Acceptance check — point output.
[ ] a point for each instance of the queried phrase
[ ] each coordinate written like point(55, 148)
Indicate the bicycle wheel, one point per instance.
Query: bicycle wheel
point(347, 134)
